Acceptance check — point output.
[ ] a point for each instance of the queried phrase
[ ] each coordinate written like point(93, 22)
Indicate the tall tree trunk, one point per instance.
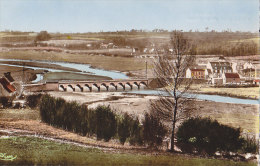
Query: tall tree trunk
point(173, 126)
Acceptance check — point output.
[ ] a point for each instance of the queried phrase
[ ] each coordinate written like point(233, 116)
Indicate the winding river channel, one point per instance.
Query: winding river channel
point(84, 68)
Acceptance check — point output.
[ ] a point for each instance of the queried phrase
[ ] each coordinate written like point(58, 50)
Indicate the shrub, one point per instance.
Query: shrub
point(123, 128)
point(154, 131)
point(47, 108)
point(136, 132)
point(205, 136)
point(33, 100)
point(106, 126)
point(5, 101)
point(42, 36)
point(250, 145)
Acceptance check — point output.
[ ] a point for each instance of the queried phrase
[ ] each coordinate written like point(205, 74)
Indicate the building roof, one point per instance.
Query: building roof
point(232, 75)
point(7, 86)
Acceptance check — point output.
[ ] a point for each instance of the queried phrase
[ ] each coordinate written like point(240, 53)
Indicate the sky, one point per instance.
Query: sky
point(115, 15)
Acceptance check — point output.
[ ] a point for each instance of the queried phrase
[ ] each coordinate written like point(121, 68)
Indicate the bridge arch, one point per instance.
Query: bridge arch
point(95, 87)
point(129, 85)
point(88, 87)
point(112, 85)
point(135, 84)
point(142, 85)
point(62, 88)
point(121, 85)
point(70, 88)
point(105, 86)
point(79, 87)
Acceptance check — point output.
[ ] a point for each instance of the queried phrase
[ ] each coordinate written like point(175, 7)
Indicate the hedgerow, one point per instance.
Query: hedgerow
point(101, 122)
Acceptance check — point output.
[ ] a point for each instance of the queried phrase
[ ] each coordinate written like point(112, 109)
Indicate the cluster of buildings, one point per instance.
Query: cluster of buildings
point(224, 72)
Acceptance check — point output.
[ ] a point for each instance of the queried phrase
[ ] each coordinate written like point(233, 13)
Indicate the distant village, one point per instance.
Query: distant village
point(223, 72)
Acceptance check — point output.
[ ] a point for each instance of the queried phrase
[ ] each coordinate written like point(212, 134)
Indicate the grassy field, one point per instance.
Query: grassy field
point(256, 40)
point(18, 114)
point(104, 62)
point(29, 150)
point(250, 92)
point(249, 124)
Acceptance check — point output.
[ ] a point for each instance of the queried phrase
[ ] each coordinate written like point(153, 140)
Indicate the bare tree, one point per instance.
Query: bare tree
point(170, 70)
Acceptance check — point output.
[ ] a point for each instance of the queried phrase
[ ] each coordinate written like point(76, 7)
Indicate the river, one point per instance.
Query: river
point(84, 68)
point(215, 98)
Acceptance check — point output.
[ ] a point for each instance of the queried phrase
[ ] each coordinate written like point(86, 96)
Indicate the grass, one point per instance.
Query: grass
point(248, 123)
point(251, 92)
point(104, 62)
point(256, 40)
point(20, 114)
point(31, 151)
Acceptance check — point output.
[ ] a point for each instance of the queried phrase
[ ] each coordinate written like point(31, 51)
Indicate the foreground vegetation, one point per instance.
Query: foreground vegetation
point(101, 122)
point(30, 151)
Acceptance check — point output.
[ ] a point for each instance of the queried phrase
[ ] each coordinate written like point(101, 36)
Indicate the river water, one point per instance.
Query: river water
point(84, 68)
point(117, 75)
point(215, 98)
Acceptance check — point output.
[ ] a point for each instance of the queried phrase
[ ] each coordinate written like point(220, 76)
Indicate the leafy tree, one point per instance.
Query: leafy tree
point(123, 128)
point(154, 131)
point(106, 123)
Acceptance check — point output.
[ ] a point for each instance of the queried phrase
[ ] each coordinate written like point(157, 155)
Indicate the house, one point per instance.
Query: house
point(198, 72)
point(6, 85)
point(231, 78)
point(249, 72)
point(256, 82)
point(218, 68)
point(237, 67)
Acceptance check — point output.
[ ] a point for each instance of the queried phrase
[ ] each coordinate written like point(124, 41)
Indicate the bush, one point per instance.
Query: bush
point(250, 145)
point(42, 36)
point(33, 100)
point(102, 122)
point(154, 130)
point(106, 126)
point(5, 102)
point(123, 128)
point(205, 136)
point(136, 133)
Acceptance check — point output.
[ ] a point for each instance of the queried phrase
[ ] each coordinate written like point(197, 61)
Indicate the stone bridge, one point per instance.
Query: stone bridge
point(102, 85)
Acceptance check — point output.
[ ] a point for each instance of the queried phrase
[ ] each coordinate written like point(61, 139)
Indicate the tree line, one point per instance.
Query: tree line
point(101, 122)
